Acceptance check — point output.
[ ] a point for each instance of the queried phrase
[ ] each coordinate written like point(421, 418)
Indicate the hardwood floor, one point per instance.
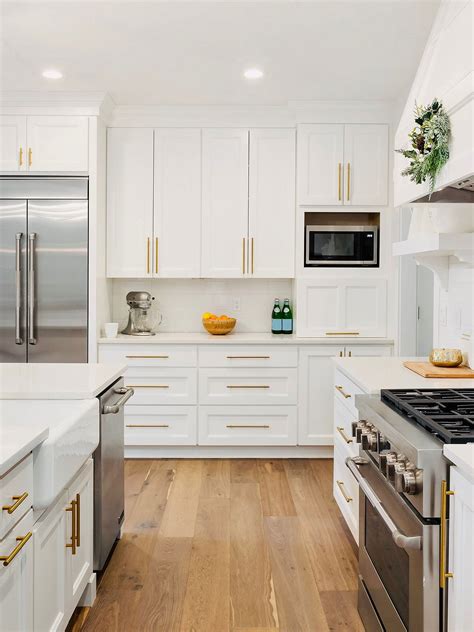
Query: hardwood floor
point(228, 546)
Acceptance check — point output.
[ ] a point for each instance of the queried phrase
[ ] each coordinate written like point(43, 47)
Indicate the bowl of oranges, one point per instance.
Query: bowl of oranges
point(218, 325)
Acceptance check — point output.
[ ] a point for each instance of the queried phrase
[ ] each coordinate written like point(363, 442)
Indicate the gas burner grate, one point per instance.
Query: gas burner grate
point(447, 413)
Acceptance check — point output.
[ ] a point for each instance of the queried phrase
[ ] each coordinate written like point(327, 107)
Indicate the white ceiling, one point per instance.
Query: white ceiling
point(195, 52)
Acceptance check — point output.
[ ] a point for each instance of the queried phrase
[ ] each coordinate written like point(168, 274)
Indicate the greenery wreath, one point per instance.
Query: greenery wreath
point(430, 144)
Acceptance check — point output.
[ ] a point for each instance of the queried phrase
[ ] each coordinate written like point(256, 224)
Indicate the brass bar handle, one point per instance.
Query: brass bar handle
point(247, 386)
point(156, 255)
point(350, 354)
point(347, 498)
point(72, 545)
point(20, 161)
point(149, 386)
point(243, 255)
point(247, 426)
point(18, 500)
point(248, 357)
point(162, 357)
point(348, 181)
point(147, 425)
point(342, 391)
point(252, 252)
point(340, 430)
point(22, 540)
point(78, 520)
point(340, 354)
point(148, 255)
point(30, 156)
point(443, 574)
point(342, 333)
point(339, 186)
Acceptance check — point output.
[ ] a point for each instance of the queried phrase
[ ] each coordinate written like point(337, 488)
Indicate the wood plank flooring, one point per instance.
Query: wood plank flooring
point(228, 546)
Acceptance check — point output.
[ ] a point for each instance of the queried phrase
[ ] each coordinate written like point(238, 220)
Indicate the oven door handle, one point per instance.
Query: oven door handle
point(403, 541)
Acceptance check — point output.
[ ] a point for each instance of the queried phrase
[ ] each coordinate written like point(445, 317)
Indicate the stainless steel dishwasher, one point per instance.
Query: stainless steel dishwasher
point(109, 472)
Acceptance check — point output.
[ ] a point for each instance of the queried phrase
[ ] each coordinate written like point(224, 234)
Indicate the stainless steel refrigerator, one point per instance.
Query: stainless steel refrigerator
point(43, 269)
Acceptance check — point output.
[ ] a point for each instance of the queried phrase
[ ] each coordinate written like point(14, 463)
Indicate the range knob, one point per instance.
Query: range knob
point(384, 456)
point(390, 469)
point(411, 482)
point(368, 440)
point(360, 428)
point(399, 471)
point(383, 443)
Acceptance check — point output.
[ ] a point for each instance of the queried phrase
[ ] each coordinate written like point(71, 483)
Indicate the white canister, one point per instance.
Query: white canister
point(111, 330)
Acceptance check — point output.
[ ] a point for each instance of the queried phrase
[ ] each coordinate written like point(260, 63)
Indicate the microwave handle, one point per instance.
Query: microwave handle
point(403, 541)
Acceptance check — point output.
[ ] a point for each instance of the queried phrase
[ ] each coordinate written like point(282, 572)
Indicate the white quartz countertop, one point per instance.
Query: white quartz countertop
point(462, 455)
point(373, 374)
point(237, 338)
point(56, 381)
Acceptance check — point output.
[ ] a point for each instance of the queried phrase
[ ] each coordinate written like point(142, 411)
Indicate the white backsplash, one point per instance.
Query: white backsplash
point(182, 301)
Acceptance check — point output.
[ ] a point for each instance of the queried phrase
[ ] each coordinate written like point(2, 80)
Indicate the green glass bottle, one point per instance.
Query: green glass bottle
point(287, 317)
point(276, 318)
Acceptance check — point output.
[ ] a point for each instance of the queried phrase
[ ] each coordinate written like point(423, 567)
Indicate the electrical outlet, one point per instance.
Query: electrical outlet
point(443, 315)
point(236, 305)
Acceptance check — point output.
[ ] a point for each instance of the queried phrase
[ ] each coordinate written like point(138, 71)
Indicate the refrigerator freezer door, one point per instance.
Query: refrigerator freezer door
point(13, 239)
point(57, 280)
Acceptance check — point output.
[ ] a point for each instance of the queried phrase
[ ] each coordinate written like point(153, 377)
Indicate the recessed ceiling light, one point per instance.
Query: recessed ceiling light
point(52, 74)
point(253, 73)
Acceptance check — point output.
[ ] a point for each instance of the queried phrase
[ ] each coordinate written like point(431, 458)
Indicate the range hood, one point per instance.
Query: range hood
point(460, 192)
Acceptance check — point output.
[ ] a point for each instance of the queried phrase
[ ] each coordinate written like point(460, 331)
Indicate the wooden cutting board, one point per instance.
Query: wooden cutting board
point(426, 369)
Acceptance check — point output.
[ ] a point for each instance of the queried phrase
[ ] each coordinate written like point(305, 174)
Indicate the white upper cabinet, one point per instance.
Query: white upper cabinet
point(177, 203)
point(320, 164)
point(13, 143)
point(343, 165)
point(129, 202)
point(224, 202)
point(272, 203)
point(57, 143)
point(366, 165)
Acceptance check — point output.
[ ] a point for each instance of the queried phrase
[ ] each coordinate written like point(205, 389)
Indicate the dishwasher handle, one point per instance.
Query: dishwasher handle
point(126, 393)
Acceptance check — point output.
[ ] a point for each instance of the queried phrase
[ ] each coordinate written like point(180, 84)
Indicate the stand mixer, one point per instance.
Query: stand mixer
point(139, 322)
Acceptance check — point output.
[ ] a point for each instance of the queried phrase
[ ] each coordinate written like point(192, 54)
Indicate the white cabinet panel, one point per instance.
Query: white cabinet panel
point(366, 164)
point(153, 355)
point(177, 203)
point(162, 386)
point(224, 202)
point(315, 398)
point(345, 488)
point(247, 386)
point(252, 356)
point(160, 425)
point(320, 164)
point(129, 202)
point(319, 308)
point(343, 420)
point(272, 203)
point(58, 143)
point(16, 581)
point(16, 487)
point(13, 149)
point(246, 426)
point(364, 306)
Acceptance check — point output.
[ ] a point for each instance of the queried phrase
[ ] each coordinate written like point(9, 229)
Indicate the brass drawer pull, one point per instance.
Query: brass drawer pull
point(249, 357)
point(339, 195)
point(78, 520)
point(18, 500)
point(156, 255)
point(347, 498)
point(247, 386)
point(73, 544)
point(22, 540)
point(342, 333)
point(21, 157)
point(148, 385)
point(348, 181)
point(151, 357)
point(30, 157)
point(243, 255)
point(252, 252)
point(340, 430)
point(443, 574)
point(148, 255)
point(147, 426)
point(247, 426)
point(342, 391)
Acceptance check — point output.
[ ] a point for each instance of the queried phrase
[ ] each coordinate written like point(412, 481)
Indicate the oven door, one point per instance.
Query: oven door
point(341, 246)
point(398, 557)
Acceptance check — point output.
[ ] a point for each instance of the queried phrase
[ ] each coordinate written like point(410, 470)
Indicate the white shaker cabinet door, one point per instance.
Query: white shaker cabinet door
point(224, 202)
point(320, 164)
point(129, 202)
point(58, 143)
point(272, 203)
point(13, 150)
point(366, 165)
point(177, 203)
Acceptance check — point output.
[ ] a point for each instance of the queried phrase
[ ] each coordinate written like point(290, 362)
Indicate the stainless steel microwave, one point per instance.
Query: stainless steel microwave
point(342, 246)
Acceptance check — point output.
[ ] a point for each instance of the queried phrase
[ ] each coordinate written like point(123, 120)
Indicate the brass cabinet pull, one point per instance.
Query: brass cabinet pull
point(350, 354)
point(343, 393)
point(148, 385)
point(247, 426)
point(22, 540)
point(156, 255)
point(340, 430)
point(339, 188)
point(73, 509)
point(21, 157)
point(348, 181)
point(252, 252)
point(347, 498)
point(248, 357)
point(162, 357)
point(340, 354)
point(30, 156)
point(148, 255)
point(147, 426)
point(18, 500)
point(247, 386)
point(443, 574)
point(78, 520)
point(243, 255)
point(342, 333)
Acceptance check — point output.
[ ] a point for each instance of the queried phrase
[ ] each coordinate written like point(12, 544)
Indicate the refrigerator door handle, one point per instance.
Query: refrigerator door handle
point(18, 338)
point(31, 289)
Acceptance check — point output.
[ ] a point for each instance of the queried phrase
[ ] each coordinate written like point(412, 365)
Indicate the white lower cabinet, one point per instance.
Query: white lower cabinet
point(247, 386)
point(160, 425)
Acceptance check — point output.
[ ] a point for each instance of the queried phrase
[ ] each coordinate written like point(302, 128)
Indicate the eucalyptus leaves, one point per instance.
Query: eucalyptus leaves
point(430, 144)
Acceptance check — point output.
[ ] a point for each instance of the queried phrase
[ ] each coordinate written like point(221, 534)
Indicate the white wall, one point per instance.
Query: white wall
point(454, 320)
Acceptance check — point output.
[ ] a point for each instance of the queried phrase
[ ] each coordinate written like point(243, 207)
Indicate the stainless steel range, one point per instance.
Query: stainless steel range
point(402, 476)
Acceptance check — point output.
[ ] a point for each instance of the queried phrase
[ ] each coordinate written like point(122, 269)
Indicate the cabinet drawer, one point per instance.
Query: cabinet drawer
point(160, 425)
point(252, 356)
point(162, 386)
point(343, 419)
point(247, 386)
point(346, 490)
point(16, 492)
point(239, 425)
point(149, 355)
point(345, 391)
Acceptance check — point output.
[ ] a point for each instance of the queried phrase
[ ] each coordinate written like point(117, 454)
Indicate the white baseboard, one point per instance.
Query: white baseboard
point(229, 452)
